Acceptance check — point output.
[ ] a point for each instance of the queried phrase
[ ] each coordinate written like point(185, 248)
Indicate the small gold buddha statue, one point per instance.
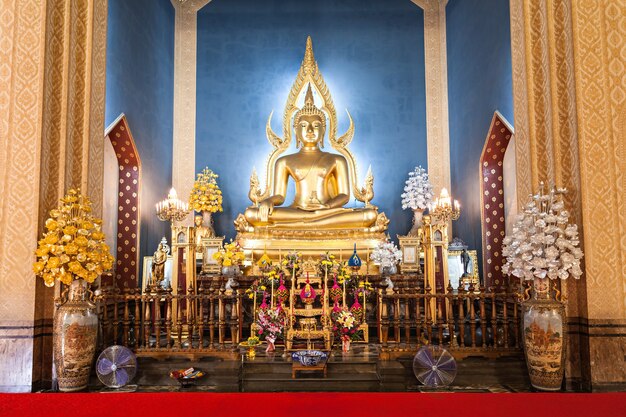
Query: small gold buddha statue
point(321, 181)
point(158, 262)
point(201, 231)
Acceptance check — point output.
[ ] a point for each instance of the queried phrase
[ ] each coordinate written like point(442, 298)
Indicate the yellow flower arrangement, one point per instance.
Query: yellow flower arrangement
point(291, 262)
point(206, 194)
point(253, 341)
point(231, 254)
point(73, 246)
point(343, 273)
point(327, 264)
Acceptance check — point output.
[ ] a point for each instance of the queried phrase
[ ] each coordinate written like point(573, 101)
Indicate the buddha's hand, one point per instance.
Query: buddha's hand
point(266, 208)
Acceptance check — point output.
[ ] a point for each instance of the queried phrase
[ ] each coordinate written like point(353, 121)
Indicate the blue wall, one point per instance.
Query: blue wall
point(479, 82)
point(371, 54)
point(140, 83)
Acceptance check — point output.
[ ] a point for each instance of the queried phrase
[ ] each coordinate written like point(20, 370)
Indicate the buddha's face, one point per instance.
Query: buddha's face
point(310, 130)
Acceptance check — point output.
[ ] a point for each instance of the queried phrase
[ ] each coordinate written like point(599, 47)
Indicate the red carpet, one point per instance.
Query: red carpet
point(313, 404)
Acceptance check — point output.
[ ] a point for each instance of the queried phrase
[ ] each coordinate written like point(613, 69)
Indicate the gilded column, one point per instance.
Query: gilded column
point(51, 139)
point(599, 33)
point(436, 77)
point(185, 51)
point(22, 53)
point(568, 88)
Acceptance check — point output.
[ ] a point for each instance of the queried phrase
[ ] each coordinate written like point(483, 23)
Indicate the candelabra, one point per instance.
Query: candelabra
point(172, 209)
point(443, 210)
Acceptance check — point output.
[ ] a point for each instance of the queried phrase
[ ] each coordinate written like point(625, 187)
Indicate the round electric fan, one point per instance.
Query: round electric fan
point(434, 366)
point(116, 366)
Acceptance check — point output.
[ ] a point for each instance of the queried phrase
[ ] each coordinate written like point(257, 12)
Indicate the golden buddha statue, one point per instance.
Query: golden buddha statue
point(321, 179)
point(316, 219)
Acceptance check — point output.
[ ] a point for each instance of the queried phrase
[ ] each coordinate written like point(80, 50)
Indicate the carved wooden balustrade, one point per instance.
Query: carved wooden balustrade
point(158, 322)
point(476, 321)
point(212, 321)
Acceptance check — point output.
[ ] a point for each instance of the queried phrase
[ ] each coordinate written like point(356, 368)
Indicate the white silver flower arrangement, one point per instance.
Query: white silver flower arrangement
point(543, 244)
point(418, 191)
point(386, 255)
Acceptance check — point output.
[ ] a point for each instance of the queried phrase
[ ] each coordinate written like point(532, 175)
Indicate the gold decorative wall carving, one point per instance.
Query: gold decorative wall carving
point(599, 39)
point(97, 102)
point(520, 103)
point(52, 70)
point(22, 57)
point(545, 110)
point(569, 83)
point(185, 51)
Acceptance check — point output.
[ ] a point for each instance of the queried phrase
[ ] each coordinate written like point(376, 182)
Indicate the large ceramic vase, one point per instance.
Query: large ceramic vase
point(74, 339)
point(544, 338)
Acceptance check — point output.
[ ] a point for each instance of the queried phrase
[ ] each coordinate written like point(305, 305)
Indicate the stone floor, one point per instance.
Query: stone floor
point(356, 371)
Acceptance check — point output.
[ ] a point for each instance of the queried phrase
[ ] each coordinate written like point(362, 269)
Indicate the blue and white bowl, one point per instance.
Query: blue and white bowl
point(308, 357)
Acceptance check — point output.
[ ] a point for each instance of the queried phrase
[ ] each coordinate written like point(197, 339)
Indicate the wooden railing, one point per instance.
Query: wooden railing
point(160, 323)
point(473, 321)
point(212, 321)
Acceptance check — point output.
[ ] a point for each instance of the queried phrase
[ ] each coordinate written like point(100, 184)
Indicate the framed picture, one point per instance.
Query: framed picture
point(411, 253)
point(147, 271)
point(210, 246)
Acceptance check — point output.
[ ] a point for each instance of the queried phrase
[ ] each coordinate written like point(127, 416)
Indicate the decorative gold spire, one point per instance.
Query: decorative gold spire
point(308, 98)
point(308, 63)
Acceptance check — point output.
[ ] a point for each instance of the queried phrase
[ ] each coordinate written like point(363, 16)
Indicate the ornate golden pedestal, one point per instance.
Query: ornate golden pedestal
point(276, 244)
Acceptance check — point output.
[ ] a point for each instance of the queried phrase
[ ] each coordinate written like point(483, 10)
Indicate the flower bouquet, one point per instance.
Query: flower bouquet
point(387, 256)
point(73, 245)
point(206, 197)
point(206, 194)
point(542, 243)
point(186, 377)
point(326, 265)
point(418, 193)
point(230, 255)
point(345, 327)
point(251, 345)
point(292, 263)
point(363, 289)
point(345, 275)
point(257, 288)
point(270, 325)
